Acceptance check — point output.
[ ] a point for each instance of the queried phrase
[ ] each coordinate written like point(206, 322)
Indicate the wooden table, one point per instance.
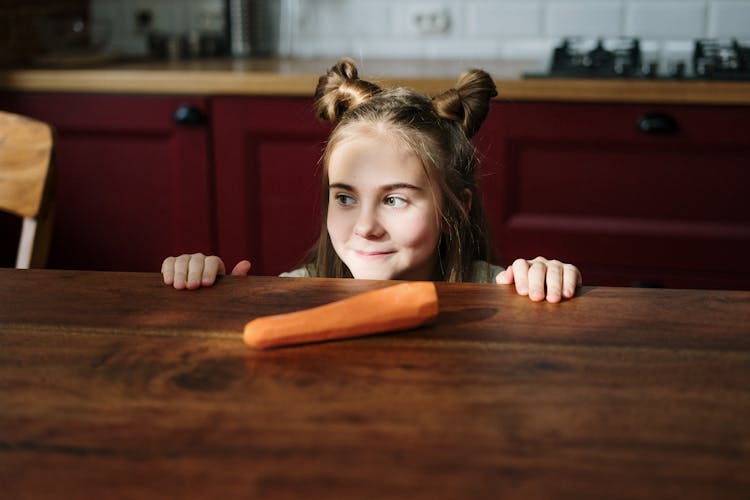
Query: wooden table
point(115, 386)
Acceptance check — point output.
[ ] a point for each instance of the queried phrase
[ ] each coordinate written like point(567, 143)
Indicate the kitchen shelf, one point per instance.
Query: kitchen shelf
point(298, 77)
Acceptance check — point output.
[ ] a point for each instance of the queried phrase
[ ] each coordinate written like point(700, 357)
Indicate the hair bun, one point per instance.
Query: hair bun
point(340, 89)
point(468, 102)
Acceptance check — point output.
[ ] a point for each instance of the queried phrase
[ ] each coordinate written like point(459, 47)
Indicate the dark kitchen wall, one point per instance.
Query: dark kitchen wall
point(19, 40)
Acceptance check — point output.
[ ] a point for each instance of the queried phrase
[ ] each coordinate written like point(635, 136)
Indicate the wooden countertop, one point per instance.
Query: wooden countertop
point(114, 385)
point(297, 77)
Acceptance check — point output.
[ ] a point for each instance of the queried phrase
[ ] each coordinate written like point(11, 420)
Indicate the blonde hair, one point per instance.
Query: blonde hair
point(438, 130)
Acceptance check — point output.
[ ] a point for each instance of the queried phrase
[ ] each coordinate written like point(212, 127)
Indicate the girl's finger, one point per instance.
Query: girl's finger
point(167, 270)
point(505, 277)
point(571, 279)
point(537, 277)
point(211, 267)
point(521, 276)
point(241, 268)
point(180, 271)
point(195, 270)
point(554, 281)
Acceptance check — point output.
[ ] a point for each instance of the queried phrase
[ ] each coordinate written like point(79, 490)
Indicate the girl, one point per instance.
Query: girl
point(399, 197)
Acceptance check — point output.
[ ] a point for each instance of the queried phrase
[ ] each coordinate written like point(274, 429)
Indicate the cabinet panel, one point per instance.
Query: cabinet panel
point(267, 153)
point(132, 186)
point(582, 183)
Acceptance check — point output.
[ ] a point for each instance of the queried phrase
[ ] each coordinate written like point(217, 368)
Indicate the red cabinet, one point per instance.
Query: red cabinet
point(267, 153)
point(132, 185)
point(584, 183)
point(579, 182)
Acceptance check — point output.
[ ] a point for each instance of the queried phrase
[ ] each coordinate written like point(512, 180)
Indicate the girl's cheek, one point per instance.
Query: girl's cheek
point(337, 222)
point(418, 230)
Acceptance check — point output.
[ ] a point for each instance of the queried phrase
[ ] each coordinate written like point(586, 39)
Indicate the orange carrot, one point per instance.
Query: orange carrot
point(397, 307)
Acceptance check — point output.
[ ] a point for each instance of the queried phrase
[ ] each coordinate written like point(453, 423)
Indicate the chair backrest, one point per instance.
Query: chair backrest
point(25, 182)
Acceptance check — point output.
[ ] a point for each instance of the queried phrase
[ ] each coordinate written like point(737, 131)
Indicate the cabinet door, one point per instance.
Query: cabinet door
point(132, 185)
point(583, 183)
point(267, 154)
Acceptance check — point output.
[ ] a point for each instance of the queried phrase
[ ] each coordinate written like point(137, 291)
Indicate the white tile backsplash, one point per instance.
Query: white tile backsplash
point(583, 18)
point(369, 19)
point(326, 19)
point(729, 18)
point(412, 19)
point(386, 49)
point(504, 20)
point(528, 49)
point(665, 19)
point(447, 49)
point(476, 28)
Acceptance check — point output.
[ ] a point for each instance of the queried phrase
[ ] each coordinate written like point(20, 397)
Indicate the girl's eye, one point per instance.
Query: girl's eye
point(395, 201)
point(344, 199)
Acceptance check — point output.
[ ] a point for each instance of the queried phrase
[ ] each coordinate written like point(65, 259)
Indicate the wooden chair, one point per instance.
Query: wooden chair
point(26, 184)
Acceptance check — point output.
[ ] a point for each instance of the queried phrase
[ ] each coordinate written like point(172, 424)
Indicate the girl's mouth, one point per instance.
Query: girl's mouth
point(373, 255)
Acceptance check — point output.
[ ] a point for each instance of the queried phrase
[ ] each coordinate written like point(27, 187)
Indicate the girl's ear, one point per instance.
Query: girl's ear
point(466, 198)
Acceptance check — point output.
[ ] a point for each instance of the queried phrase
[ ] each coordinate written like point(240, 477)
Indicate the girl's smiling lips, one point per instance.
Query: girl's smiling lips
point(364, 253)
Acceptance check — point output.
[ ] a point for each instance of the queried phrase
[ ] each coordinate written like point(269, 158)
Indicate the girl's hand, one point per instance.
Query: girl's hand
point(196, 270)
point(533, 276)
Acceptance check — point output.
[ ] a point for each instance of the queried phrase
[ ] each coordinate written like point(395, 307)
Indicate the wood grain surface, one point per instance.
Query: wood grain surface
point(113, 385)
point(25, 152)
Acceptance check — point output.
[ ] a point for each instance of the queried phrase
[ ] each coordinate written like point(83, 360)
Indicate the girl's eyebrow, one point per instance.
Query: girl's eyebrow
point(387, 187)
point(401, 185)
point(341, 185)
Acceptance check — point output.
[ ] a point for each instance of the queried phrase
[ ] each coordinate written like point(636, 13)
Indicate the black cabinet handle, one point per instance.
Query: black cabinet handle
point(657, 123)
point(189, 116)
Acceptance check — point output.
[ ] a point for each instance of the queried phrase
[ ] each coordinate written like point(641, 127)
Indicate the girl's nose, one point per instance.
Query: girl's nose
point(367, 224)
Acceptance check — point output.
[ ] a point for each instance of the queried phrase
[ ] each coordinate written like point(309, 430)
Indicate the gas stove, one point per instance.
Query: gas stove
point(711, 59)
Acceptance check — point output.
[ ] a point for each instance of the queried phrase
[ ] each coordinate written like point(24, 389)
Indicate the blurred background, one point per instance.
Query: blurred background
point(619, 140)
point(525, 29)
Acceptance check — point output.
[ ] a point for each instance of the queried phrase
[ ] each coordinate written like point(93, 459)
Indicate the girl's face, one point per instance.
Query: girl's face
point(382, 214)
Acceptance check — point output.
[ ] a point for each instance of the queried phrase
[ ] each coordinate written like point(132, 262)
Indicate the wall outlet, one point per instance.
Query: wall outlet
point(427, 19)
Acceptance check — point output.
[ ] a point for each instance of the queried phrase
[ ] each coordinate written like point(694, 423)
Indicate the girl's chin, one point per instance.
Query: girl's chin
point(372, 275)
point(372, 272)
point(375, 272)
